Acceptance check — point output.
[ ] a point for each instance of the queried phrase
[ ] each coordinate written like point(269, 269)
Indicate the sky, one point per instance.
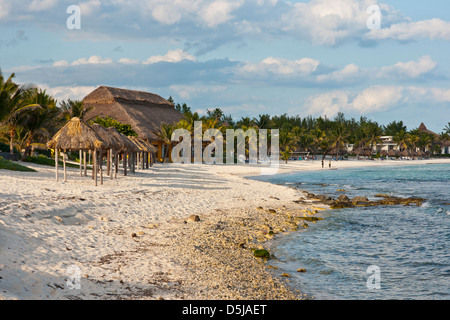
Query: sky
point(247, 57)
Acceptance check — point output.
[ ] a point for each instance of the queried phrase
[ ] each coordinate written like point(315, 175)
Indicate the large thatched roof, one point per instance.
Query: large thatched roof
point(144, 111)
point(75, 135)
point(423, 128)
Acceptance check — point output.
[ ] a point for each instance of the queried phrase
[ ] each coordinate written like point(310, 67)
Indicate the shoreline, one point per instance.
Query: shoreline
point(131, 238)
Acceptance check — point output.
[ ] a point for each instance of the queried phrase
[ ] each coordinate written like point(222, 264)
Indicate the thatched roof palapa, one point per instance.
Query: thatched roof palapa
point(143, 145)
point(109, 141)
point(363, 151)
point(393, 153)
point(75, 135)
point(338, 151)
point(144, 111)
point(125, 145)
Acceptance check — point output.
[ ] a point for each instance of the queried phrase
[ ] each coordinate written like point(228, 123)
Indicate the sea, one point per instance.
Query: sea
point(371, 253)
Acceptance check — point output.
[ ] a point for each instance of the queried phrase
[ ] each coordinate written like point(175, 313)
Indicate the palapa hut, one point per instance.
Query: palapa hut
point(363, 152)
point(126, 147)
point(76, 135)
point(338, 152)
point(146, 150)
point(109, 148)
point(144, 111)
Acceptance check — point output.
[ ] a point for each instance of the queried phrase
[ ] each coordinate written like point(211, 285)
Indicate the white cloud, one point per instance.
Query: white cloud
point(218, 12)
point(92, 60)
point(328, 104)
point(41, 5)
point(429, 29)
point(321, 22)
point(278, 66)
point(166, 14)
point(4, 8)
point(90, 7)
point(410, 69)
point(188, 91)
point(377, 98)
point(60, 63)
point(326, 22)
point(171, 56)
point(374, 99)
point(128, 61)
point(308, 70)
point(349, 72)
point(68, 92)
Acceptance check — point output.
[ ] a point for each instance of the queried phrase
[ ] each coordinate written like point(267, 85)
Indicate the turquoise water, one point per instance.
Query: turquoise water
point(409, 244)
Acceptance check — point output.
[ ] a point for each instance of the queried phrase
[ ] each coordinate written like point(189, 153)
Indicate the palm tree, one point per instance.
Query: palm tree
point(373, 135)
point(217, 114)
point(338, 138)
point(262, 122)
point(39, 123)
point(164, 133)
point(425, 141)
point(402, 140)
point(13, 103)
point(286, 154)
point(7, 89)
point(447, 128)
point(245, 123)
point(306, 141)
point(287, 141)
point(74, 108)
point(413, 140)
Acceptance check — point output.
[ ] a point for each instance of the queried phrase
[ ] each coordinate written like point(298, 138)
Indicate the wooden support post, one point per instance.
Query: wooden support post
point(111, 161)
point(101, 166)
point(85, 164)
point(116, 163)
point(94, 167)
point(56, 164)
point(64, 166)
point(124, 164)
point(81, 163)
point(108, 162)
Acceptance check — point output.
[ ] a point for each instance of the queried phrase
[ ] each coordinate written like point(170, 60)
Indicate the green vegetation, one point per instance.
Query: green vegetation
point(29, 117)
point(107, 122)
point(10, 165)
point(317, 136)
point(43, 160)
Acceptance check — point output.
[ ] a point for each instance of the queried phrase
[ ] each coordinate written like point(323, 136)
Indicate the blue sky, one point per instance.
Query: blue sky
point(248, 57)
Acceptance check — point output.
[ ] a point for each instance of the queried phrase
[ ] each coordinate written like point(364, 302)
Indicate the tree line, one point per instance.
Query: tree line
point(317, 136)
point(29, 117)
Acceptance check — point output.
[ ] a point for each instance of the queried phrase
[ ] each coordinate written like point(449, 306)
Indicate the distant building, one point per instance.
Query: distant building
point(387, 144)
point(144, 111)
point(445, 145)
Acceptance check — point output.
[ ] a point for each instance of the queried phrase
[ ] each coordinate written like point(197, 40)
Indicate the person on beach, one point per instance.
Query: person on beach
point(322, 163)
point(329, 164)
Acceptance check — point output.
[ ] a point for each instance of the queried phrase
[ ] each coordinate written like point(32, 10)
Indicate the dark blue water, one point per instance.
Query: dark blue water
point(410, 245)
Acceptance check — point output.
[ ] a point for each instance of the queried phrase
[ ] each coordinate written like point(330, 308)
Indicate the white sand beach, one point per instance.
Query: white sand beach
point(130, 238)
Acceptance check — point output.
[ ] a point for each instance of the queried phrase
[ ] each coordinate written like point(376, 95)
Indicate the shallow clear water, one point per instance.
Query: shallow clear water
point(410, 245)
